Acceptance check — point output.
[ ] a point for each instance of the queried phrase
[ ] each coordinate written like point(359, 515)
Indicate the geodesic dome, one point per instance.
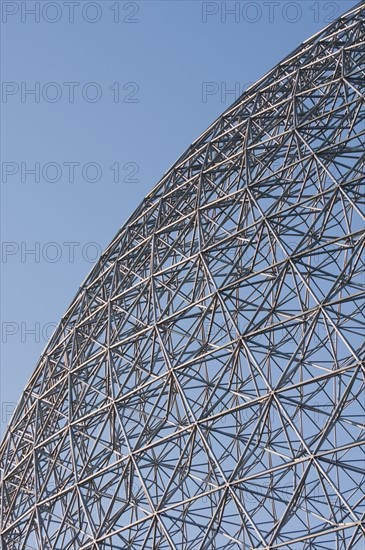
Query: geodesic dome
point(205, 388)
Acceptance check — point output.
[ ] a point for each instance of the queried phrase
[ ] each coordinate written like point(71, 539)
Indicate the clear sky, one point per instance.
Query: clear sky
point(98, 99)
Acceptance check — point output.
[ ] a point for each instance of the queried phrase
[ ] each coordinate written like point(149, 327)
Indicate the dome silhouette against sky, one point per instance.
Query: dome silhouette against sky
point(205, 389)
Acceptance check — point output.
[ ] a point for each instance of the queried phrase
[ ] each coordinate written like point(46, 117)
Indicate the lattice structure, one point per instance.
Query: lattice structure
point(204, 390)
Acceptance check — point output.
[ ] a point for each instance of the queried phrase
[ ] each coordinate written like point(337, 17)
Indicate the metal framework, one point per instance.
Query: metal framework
point(204, 390)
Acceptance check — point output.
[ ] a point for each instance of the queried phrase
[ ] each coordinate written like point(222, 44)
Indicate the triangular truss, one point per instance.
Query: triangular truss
point(205, 390)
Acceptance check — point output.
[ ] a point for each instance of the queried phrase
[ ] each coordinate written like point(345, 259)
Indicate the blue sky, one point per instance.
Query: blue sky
point(98, 100)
